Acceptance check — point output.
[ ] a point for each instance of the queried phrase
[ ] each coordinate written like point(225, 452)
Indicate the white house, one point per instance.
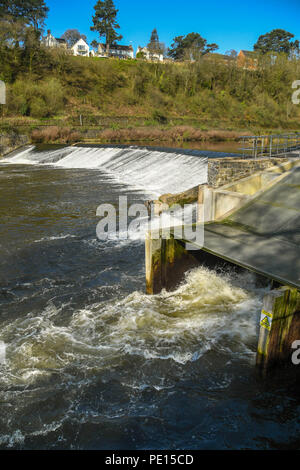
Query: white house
point(150, 55)
point(115, 50)
point(81, 48)
point(51, 41)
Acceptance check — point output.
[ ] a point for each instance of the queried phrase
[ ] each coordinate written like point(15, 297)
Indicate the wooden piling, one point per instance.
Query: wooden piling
point(167, 261)
point(279, 328)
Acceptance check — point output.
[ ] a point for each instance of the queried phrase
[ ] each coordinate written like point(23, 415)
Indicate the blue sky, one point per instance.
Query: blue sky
point(231, 24)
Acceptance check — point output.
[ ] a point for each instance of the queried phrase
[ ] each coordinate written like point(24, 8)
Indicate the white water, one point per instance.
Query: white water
point(209, 311)
point(153, 170)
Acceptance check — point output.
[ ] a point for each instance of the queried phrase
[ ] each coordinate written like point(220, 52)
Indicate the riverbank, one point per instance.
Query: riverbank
point(176, 134)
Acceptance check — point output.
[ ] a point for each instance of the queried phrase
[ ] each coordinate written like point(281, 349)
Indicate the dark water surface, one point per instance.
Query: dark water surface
point(88, 361)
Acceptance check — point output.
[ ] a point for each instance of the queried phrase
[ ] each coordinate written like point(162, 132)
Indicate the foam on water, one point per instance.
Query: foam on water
point(208, 311)
point(154, 170)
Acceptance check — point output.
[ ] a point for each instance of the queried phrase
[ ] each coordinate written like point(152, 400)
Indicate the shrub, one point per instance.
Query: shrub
point(54, 135)
point(159, 117)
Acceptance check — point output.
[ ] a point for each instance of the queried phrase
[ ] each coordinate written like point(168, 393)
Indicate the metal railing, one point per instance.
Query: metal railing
point(259, 146)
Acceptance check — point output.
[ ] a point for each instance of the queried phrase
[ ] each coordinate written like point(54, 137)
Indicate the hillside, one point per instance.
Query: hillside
point(117, 97)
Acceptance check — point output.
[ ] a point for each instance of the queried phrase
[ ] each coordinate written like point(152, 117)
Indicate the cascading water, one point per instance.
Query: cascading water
point(87, 360)
point(156, 171)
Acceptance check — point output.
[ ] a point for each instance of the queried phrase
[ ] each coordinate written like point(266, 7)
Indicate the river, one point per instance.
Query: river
point(87, 360)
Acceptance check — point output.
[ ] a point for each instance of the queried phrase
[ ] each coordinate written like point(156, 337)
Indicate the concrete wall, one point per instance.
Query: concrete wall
point(11, 142)
point(225, 170)
point(216, 203)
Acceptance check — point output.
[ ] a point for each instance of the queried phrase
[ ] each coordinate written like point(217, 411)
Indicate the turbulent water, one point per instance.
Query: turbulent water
point(87, 360)
point(157, 171)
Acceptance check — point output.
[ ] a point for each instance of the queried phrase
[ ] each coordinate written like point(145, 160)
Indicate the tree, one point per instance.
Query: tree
point(12, 32)
point(191, 47)
point(155, 47)
point(231, 53)
point(141, 55)
point(95, 45)
point(32, 12)
point(71, 36)
point(278, 40)
point(105, 22)
point(32, 48)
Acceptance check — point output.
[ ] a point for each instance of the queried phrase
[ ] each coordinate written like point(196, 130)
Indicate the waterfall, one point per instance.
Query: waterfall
point(156, 170)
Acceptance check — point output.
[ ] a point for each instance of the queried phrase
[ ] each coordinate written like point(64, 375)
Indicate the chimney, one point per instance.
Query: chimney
point(49, 32)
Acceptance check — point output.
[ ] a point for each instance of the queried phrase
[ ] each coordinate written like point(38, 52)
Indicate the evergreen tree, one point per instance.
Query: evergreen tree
point(278, 40)
point(154, 46)
point(32, 12)
point(191, 47)
point(72, 36)
point(105, 22)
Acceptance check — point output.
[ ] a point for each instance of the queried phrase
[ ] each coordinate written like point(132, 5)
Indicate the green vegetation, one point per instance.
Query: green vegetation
point(135, 99)
point(190, 47)
point(71, 36)
point(278, 40)
point(209, 93)
point(105, 22)
point(155, 46)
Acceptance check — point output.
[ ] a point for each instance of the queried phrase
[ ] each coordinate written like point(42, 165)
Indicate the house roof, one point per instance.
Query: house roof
point(62, 41)
point(217, 55)
point(80, 40)
point(249, 53)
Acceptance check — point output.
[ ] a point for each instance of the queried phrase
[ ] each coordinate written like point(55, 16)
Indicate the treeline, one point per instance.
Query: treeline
point(44, 83)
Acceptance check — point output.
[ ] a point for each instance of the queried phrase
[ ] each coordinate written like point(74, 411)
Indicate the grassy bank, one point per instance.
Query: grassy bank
point(157, 135)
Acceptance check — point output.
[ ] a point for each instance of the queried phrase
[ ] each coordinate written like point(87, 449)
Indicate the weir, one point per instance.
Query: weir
point(254, 224)
point(11, 142)
point(154, 170)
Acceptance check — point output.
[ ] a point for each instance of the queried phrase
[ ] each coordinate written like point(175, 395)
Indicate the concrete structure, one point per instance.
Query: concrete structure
point(155, 56)
point(11, 142)
point(51, 41)
point(167, 261)
point(253, 223)
point(225, 170)
point(116, 50)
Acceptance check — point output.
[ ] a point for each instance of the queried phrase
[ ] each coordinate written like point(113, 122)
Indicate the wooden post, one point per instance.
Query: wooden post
point(167, 261)
point(279, 328)
point(262, 146)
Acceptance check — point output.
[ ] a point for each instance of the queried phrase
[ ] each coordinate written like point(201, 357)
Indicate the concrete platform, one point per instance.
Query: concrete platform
point(263, 236)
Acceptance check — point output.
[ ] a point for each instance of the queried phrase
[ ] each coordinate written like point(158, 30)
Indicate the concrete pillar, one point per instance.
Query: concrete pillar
point(205, 204)
point(279, 328)
point(167, 261)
